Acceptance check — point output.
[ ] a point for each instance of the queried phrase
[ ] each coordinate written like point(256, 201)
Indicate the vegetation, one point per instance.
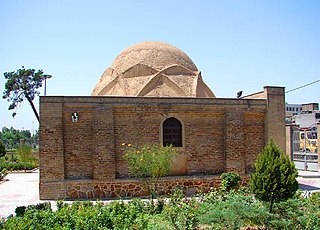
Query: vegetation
point(11, 137)
point(21, 159)
point(2, 149)
point(227, 207)
point(149, 162)
point(23, 84)
point(275, 175)
point(3, 173)
point(230, 180)
point(213, 210)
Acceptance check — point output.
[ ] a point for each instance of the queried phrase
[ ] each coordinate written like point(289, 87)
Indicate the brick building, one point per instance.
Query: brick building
point(150, 90)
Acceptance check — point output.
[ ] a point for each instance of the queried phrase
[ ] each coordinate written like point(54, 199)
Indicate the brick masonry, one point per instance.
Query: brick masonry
point(84, 159)
point(318, 141)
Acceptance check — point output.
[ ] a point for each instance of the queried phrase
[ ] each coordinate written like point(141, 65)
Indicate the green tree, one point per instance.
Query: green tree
point(11, 137)
point(2, 149)
point(275, 175)
point(149, 162)
point(23, 84)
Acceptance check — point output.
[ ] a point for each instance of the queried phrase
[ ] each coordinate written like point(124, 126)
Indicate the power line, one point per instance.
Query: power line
point(302, 86)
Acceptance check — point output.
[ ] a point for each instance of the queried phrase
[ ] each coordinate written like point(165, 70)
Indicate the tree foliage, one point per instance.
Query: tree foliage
point(2, 149)
point(275, 175)
point(149, 162)
point(230, 180)
point(22, 84)
point(25, 154)
point(11, 137)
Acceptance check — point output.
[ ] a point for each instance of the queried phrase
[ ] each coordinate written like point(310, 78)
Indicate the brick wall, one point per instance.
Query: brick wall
point(218, 135)
point(78, 146)
point(318, 142)
point(275, 122)
point(254, 129)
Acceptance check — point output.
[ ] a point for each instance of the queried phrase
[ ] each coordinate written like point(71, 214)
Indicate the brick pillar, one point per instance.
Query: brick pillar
point(103, 143)
point(275, 120)
point(289, 139)
point(51, 150)
point(318, 145)
point(235, 149)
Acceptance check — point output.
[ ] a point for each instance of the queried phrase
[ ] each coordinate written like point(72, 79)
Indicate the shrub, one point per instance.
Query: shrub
point(236, 210)
point(25, 153)
point(181, 212)
point(275, 175)
point(310, 219)
point(12, 166)
point(3, 173)
point(230, 180)
point(24, 160)
point(2, 149)
point(149, 162)
point(20, 210)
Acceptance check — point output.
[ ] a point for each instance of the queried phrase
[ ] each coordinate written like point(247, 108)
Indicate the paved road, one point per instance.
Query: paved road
point(22, 189)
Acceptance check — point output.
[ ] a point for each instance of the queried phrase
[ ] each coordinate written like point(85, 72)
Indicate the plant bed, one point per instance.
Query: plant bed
point(217, 209)
point(22, 159)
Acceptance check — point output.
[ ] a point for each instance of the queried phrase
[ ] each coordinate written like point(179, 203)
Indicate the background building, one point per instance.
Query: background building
point(302, 137)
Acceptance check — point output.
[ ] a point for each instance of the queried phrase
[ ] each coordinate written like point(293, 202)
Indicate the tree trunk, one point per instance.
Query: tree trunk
point(33, 108)
point(271, 203)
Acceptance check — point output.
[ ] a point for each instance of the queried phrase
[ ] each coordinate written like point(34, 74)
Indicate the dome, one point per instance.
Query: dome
point(156, 55)
point(152, 69)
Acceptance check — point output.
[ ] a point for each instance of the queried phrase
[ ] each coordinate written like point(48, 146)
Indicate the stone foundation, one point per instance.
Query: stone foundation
point(127, 188)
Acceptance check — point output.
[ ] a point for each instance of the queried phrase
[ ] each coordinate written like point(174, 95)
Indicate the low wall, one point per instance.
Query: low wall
point(127, 188)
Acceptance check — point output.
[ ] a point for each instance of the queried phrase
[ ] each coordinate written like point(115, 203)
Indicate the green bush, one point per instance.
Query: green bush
point(274, 179)
point(22, 159)
point(229, 210)
point(20, 211)
point(3, 173)
point(230, 180)
point(149, 162)
point(25, 153)
point(2, 149)
point(181, 212)
point(15, 166)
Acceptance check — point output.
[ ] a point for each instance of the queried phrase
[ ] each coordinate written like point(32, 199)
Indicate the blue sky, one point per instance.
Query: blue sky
point(237, 45)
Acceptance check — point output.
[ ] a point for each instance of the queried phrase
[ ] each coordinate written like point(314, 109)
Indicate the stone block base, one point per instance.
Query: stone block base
point(126, 188)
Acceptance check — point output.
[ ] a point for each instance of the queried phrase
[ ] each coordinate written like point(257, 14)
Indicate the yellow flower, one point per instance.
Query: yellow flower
point(123, 144)
point(138, 152)
point(141, 159)
point(129, 145)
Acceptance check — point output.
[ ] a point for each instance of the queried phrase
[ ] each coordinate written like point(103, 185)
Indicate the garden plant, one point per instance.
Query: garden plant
point(149, 162)
point(2, 149)
point(236, 209)
point(275, 175)
point(228, 207)
point(20, 159)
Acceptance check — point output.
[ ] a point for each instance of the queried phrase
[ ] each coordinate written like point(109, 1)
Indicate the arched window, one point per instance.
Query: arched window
point(172, 132)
